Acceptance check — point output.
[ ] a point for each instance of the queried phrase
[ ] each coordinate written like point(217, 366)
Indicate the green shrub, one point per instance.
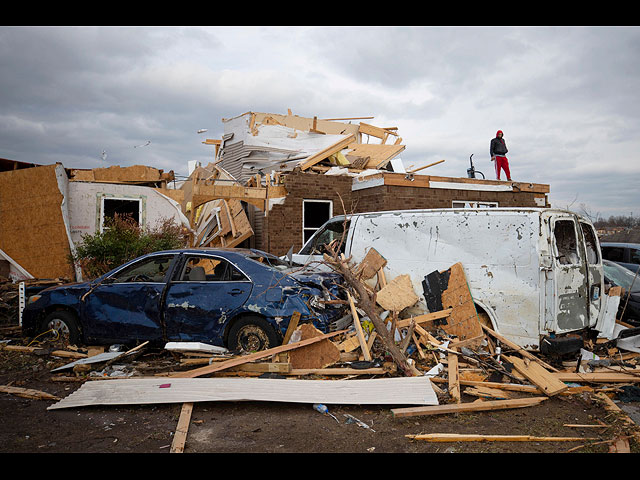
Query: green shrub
point(122, 240)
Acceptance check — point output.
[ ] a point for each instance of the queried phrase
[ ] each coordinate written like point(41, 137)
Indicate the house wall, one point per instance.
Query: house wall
point(85, 206)
point(33, 223)
point(282, 227)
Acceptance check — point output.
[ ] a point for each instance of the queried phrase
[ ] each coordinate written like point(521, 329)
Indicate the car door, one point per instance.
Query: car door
point(570, 277)
point(206, 291)
point(126, 306)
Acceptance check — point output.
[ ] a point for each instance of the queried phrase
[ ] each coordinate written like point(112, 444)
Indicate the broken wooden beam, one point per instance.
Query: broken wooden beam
point(467, 407)
point(468, 437)
point(251, 357)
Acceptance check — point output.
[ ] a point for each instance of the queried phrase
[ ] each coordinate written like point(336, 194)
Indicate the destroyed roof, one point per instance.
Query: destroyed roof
point(263, 143)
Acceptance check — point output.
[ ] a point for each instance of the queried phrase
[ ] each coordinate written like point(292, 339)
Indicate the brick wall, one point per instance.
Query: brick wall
point(283, 224)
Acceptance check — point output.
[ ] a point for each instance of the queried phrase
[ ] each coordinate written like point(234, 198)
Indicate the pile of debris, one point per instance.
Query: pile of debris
point(429, 364)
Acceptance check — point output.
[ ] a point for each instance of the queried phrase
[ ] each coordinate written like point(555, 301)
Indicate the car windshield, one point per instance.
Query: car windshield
point(621, 276)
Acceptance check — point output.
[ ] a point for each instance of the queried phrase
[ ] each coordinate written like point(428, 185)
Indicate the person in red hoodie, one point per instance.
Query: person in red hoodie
point(498, 150)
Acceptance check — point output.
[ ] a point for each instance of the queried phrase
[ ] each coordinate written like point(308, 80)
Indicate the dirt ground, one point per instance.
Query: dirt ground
point(271, 427)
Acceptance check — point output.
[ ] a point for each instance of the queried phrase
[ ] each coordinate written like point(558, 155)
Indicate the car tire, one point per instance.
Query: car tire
point(65, 323)
point(252, 334)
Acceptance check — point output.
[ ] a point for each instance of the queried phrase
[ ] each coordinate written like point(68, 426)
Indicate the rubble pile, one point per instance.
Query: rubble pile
point(442, 362)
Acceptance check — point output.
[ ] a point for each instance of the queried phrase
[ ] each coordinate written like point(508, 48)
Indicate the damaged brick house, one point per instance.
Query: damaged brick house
point(294, 173)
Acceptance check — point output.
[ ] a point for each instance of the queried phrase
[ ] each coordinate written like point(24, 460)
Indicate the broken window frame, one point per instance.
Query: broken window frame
point(179, 277)
point(124, 275)
point(561, 249)
point(591, 245)
point(310, 231)
point(310, 248)
point(137, 199)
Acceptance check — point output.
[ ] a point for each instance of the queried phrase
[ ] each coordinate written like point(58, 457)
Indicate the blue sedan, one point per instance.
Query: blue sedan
point(233, 298)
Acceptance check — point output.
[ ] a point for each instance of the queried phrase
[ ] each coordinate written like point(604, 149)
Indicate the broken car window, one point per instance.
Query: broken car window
point(332, 232)
point(210, 269)
point(566, 242)
point(152, 269)
point(591, 245)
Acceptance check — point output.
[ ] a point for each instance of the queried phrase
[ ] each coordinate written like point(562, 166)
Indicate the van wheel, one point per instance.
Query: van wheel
point(64, 324)
point(252, 334)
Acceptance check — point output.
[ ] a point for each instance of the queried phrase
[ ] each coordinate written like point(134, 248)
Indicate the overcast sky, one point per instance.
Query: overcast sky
point(567, 98)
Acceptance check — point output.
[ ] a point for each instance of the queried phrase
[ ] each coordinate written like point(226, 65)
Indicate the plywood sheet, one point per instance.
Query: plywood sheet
point(397, 295)
point(449, 289)
point(32, 226)
point(317, 355)
point(134, 391)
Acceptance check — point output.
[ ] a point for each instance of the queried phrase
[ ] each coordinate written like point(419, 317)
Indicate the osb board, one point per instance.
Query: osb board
point(371, 263)
point(379, 154)
point(397, 295)
point(32, 230)
point(317, 355)
point(463, 320)
point(115, 173)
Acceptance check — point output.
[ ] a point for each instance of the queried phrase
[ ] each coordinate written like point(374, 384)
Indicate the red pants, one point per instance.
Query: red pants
point(502, 163)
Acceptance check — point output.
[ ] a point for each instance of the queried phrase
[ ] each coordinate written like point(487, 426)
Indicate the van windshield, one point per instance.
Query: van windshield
point(333, 231)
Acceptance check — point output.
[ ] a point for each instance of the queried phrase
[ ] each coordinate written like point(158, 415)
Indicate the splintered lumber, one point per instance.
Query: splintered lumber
point(468, 437)
point(449, 289)
point(180, 437)
point(516, 347)
point(454, 378)
point(546, 381)
point(330, 150)
point(141, 391)
point(467, 407)
point(397, 295)
point(359, 332)
point(370, 265)
point(427, 317)
point(251, 357)
point(27, 393)
point(598, 377)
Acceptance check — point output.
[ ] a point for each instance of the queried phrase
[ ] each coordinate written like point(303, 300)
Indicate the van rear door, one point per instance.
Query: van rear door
point(569, 276)
point(594, 265)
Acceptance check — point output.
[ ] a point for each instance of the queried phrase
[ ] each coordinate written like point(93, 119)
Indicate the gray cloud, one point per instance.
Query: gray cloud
point(566, 97)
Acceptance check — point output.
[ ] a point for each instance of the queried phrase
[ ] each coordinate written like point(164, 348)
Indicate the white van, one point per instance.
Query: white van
point(536, 272)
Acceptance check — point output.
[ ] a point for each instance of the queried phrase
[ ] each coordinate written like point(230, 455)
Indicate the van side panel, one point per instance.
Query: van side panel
point(497, 249)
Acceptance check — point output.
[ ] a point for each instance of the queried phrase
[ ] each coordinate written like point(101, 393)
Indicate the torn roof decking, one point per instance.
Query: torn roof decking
point(261, 142)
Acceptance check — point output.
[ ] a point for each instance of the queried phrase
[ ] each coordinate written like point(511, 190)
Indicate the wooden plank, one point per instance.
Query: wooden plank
point(467, 407)
point(517, 348)
point(454, 378)
point(538, 375)
point(467, 437)
point(330, 150)
point(597, 377)
point(359, 332)
point(427, 317)
point(250, 358)
point(293, 324)
point(27, 393)
point(180, 437)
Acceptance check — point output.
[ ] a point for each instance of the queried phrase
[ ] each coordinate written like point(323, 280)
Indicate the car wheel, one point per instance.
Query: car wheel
point(65, 324)
point(252, 334)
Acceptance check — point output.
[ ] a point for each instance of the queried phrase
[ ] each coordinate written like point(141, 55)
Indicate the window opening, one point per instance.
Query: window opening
point(566, 242)
point(314, 214)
